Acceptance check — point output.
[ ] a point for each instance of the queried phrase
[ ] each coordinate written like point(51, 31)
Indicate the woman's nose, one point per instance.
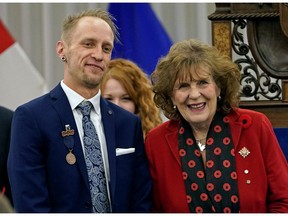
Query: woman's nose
point(194, 91)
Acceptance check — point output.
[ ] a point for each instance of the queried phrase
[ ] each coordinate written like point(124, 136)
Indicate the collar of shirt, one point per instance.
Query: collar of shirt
point(75, 99)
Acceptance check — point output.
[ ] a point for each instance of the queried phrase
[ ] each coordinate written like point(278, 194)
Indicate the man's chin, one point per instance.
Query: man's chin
point(92, 83)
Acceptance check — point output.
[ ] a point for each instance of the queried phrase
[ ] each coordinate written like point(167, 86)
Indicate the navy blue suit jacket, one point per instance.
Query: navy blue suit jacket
point(42, 180)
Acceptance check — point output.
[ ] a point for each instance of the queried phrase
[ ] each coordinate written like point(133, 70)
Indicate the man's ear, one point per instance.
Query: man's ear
point(60, 48)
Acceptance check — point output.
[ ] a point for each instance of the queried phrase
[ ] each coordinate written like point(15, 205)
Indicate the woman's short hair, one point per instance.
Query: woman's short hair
point(181, 57)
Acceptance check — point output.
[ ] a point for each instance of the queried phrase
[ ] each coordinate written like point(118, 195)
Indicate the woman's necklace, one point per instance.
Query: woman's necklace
point(201, 146)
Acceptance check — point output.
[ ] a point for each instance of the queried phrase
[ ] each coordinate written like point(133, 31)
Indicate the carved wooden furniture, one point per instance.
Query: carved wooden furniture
point(255, 36)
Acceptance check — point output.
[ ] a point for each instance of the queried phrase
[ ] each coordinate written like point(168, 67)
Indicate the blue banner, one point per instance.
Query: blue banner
point(143, 38)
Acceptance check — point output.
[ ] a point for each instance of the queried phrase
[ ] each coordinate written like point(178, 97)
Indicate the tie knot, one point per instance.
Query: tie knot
point(85, 107)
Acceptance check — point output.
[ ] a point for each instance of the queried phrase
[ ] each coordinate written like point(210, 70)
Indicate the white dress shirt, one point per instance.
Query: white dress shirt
point(75, 99)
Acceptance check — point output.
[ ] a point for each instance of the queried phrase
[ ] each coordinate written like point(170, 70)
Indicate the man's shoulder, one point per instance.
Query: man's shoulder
point(35, 102)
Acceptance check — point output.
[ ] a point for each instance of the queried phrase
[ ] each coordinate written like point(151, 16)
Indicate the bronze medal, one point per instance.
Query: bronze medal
point(70, 158)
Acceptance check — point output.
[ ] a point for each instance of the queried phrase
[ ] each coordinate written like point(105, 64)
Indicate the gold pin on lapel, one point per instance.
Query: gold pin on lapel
point(68, 131)
point(244, 152)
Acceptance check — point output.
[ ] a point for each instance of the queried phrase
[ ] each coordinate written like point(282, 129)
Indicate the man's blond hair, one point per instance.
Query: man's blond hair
point(71, 21)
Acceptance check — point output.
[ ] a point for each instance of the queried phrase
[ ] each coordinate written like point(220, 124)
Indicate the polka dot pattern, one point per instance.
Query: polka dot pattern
point(214, 188)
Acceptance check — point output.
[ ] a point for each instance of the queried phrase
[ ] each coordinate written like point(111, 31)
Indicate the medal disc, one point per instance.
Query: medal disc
point(70, 158)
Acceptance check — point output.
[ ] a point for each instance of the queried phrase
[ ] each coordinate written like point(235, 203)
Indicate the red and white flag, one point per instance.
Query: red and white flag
point(20, 81)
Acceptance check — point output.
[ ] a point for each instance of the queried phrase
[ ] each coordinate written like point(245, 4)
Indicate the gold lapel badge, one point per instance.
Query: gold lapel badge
point(68, 131)
point(244, 152)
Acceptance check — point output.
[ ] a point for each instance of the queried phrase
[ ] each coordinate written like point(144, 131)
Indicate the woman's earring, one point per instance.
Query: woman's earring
point(219, 98)
point(63, 59)
point(174, 107)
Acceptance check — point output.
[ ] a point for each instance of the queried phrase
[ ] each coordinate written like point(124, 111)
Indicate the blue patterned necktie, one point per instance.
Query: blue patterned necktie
point(94, 161)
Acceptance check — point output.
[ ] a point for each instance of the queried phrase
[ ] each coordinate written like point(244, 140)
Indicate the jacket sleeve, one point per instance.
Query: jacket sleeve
point(26, 168)
point(276, 169)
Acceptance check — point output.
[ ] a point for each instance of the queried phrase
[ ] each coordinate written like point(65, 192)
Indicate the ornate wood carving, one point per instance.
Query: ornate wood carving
point(221, 36)
point(263, 60)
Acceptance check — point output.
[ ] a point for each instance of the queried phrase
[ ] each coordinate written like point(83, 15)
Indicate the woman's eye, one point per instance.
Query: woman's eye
point(203, 82)
point(183, 85)
point(127, 98)
point(108, 98)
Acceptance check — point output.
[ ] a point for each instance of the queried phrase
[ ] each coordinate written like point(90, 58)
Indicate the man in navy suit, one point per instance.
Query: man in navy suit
point(46, 163)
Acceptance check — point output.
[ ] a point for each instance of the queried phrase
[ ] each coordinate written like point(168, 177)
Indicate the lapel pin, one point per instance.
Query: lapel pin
point(244, 152)
point(68, 131)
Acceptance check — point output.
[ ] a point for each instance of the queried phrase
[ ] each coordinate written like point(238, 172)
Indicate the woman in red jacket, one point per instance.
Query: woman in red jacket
point(211, 156)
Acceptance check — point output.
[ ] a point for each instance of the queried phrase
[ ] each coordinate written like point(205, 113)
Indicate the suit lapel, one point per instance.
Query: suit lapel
point(172, 139)
point(235, 127)
point(62, 107)
point(109, 130)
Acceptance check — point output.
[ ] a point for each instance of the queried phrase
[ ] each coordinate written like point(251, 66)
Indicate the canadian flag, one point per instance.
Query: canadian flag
point(20, 81)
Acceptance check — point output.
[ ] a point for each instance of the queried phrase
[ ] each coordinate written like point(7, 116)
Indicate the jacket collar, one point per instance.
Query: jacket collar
point(171, 135)
point(172, 138)
point(235, 127)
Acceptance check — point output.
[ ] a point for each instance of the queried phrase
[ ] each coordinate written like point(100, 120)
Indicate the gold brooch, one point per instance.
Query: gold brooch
point(244, 152)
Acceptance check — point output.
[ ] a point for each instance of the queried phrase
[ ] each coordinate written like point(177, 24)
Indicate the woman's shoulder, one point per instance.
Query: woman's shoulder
point(165, 127)
point(252, 113)
point(247, 116)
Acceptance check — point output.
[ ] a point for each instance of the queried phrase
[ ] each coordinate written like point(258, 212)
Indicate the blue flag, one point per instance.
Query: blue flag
point(143, 38)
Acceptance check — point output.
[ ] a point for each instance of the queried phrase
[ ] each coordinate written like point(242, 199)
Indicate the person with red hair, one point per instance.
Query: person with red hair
point(126, 85)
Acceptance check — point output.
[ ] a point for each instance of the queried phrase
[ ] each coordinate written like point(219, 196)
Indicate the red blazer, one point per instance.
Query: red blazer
point(262, 175)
